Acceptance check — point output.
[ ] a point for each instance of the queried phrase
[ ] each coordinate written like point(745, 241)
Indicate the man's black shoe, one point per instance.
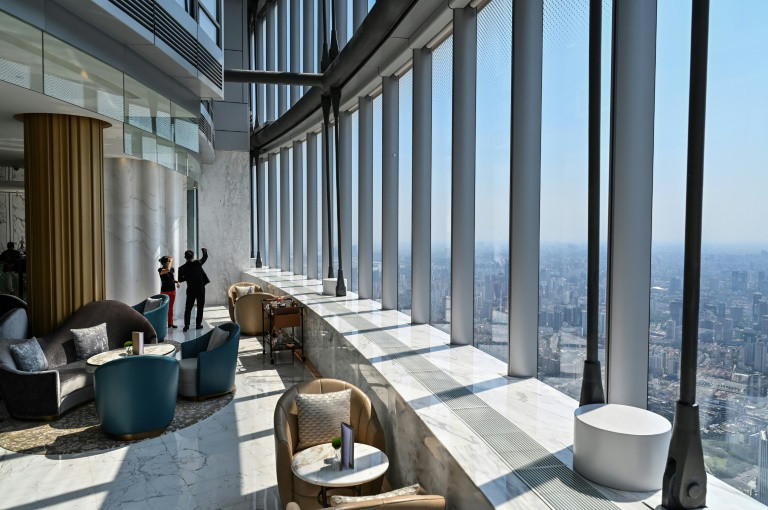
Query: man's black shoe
point(186, 328)
point(199, 326)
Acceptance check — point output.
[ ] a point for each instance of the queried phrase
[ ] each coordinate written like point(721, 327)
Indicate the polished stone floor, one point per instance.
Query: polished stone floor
point(225, 461)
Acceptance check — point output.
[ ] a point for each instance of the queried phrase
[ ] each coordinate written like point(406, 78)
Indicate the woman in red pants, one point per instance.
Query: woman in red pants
point(168, 284)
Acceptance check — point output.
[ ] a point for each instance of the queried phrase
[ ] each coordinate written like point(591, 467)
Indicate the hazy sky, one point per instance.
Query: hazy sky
point(736, 180)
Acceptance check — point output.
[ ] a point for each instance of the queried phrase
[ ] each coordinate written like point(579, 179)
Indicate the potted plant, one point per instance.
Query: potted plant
point(128, 348)
point(336, 444)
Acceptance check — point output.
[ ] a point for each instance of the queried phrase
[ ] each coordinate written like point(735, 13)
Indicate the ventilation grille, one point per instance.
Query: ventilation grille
point(206, 128)
point(209, 66)
point(155, 19)
point(557, 485)
point(139, 10)
point(174, 35)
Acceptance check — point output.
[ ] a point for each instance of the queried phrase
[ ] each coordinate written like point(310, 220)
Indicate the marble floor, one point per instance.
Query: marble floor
point(225, 461)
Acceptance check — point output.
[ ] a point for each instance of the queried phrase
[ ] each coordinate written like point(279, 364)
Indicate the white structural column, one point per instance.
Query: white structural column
point(630, 200)
point(310, 54)
point(463, 175)
point(295, 35)
point(298, 208)
point(271, 63)
point(259, 65)
point(282, 53)
point(340, 13)
point(312, 270)
point(365, 198)
point(285, 210)
point(421, 230)
point(525, 184)
point(359, 12)
point(345, 182)
point(261, 177)
point(272, 211)
point(390, 129)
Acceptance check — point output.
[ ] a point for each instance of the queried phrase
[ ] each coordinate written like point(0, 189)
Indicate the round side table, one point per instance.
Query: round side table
point(317, 465)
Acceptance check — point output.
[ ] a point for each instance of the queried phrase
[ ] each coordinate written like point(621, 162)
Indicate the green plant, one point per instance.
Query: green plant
point(128, 344)
point(336, 443)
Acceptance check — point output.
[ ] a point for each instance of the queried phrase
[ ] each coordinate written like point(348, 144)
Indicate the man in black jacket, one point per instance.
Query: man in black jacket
point(192, 272)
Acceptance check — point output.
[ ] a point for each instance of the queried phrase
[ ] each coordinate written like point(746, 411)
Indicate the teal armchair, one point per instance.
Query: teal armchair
point(157, 317)
point(205, 373)
point(136, 395)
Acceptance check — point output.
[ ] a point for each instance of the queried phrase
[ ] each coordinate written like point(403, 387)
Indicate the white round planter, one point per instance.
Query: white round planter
point(620, 446)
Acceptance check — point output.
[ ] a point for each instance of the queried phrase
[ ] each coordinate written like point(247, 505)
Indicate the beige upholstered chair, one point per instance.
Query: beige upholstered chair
point(249, 313)
point(232, 296)
point(421, 501)
point(362, 417)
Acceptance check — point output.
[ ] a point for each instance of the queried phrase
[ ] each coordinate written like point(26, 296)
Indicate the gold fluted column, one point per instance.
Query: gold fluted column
point(64, 185)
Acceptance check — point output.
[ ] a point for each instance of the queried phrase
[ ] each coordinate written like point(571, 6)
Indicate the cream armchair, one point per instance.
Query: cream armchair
point(232, 296)
point(362, 417)
point(249, 313)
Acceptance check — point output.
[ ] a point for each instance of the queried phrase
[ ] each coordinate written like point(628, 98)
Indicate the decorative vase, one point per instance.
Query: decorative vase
point(129, 350)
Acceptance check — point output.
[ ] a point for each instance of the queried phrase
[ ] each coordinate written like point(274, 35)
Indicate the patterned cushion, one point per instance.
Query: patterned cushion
point(320, 416)
point(29, 356)
point(152, 304)
point(90, 341)
point(411, 490)
point(243, 290)
point(218, 338)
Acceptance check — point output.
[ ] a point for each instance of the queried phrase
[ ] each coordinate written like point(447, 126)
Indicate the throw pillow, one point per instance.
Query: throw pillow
point(242, 290)
point(152, 304)
point(411, 490)
point(90, 341)
point(320, 416)
point(29, 356)
point(218, 338)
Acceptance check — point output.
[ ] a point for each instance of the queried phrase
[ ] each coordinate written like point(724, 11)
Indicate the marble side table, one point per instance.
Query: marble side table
point(318, 465)
point(620, 446)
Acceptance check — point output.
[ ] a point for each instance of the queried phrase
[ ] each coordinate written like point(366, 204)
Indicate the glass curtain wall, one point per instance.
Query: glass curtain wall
point(494, 86)
point(354, 276)
point(289, 217)
point(305, 222)
point(377, 185)
point(442, 117)
point(733, 311)
point(321, 271)
point(564, 173)
point(405, 195)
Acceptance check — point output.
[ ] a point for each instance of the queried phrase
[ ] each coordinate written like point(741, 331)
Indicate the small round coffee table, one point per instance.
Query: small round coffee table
point(317, 465)
point(161, 349)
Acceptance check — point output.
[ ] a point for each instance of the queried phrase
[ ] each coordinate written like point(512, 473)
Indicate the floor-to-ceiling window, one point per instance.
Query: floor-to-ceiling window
point(377, 183)
point(405, 196)
point(321, 271)
point(289, 216)
point(354, 277)
point(442, 113)
point(564, 192)
point(304, 196)
point(733, 310)
point(494, 84)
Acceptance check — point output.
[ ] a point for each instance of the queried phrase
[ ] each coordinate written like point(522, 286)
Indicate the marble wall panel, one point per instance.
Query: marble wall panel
point(17, 215)
point(145, 218)
point(224, 223)
point(5, 223)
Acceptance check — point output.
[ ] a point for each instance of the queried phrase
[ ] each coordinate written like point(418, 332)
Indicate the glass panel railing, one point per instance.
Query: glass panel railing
point(21, 54)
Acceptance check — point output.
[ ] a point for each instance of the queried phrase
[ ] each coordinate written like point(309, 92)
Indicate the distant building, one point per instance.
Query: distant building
point(762, 469)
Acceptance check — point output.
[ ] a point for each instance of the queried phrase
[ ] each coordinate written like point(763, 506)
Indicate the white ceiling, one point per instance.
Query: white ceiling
point(15, 100)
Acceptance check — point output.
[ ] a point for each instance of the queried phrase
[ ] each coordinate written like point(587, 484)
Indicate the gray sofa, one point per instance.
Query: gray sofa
point(67, 383)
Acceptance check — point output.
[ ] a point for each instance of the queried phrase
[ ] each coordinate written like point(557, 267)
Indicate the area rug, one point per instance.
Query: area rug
point(78, 431)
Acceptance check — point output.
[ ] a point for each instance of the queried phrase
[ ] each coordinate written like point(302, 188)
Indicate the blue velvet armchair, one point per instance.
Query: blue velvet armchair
point(157, 317)
point(136, 395)
point(205, 373)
